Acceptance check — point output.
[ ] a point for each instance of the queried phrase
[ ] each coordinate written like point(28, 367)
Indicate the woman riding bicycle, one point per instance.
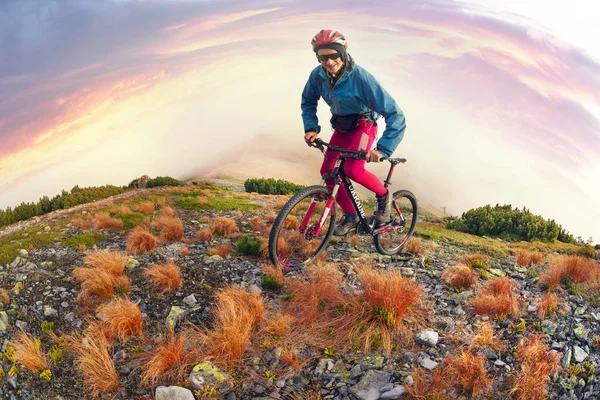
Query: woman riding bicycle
point(356, 101)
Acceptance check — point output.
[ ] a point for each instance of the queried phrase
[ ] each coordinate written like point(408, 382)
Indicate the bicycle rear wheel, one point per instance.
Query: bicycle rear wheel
point(403, 221)
point(296, 238)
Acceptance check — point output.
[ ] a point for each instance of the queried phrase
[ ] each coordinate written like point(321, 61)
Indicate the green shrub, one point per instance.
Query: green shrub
point(86, 239)
point(248, 246)
point(164, 181)
point(269, 282)
point(47, 327)
point(271, 186)
point(479, 264)
point(131, 220)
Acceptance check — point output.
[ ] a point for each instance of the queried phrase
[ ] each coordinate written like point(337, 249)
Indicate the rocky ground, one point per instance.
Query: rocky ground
point(39, 283)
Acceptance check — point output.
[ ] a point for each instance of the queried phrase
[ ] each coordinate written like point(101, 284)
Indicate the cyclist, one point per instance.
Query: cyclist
point(356, 101)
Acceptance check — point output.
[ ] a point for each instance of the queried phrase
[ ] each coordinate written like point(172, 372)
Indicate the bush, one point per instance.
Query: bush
point(271, 186)
point(248, 246)
point(164, 181)
point(509, 224)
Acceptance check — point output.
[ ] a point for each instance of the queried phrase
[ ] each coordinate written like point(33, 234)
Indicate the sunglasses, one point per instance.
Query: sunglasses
point(325, 57)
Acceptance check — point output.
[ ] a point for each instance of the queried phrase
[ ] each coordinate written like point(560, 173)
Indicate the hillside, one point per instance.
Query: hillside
point(119, 315)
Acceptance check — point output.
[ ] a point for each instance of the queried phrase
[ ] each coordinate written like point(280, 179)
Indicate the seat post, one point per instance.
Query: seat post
point(388, 180)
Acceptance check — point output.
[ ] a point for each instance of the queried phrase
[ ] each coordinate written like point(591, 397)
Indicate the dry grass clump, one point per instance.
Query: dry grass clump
point(184, 251)
point(81, 223)
point(28, 352)
point(548, 304)
point(415, 246)
point(122, 317)
point(169, 358)
point(581, 269)
point(140, 240)
point(353, 240)
point(166, 276)
point(291, 222)
point(468, 372)
point(277, 325)
point(275, 272)
point(113, 262)
point(432, 388)
point(289, 357)
point(527, 258)
point(146, 207)
point(258, 225)
point(221, 250)
point(270, 217)
point(469, 258)
point(537, 364)
point(484, 336)
point(223, 226)
point(238, 214)
point(123, 210)
point(93, 361)
point(99, 282)
point(236, 314)
point(171, 228)
point(497, 298)
point(4, 297)
point(105, 221)
point(204, 235)
point(99, 329)
point(166, 212)
point(460, 276)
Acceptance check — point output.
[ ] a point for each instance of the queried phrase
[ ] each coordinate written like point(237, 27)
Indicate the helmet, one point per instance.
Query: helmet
point(327, 38)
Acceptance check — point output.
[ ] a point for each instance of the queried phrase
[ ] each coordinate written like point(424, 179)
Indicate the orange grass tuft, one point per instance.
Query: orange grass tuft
point(104, 221)
point(291, 222)
point(184, 251)
point(433, 388)
point(354, 240)
point(469, 373)
point(99, 282)
point(497, 298)
point(527, 258)
point(205, 235)
point(4, 297)
point(171, 228)
point(415, 246)
point(275, 272)
point(547, 305)
point(270, 218)
point(99, 329)
point(258, 224)
point(222, 249)
point(140, 240)
point(113, 262)
point(485, 337)
point(537, 364)
point(169, 359)
point(124, 210)
point(123, 318)
point(81, 223)
point(94, 363)
point(290, 358)
point(167, 276)
point(459, 276)
point(469, 258)
point(581, 269)
point(276, 326)
point(28, 352)
point(223, 226)
point(82, 248)
point(146, 207)
point(166, 212)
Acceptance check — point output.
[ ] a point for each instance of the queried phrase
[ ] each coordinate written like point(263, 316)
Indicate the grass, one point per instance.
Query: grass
point(122, 317)
point(223, 226)
point(547, 305)
point(218, 203)
point(165, 276)
point(459, 276)
point(140, 240)
point(415, 246)
point(468, 372)
point(28, 352)
point(104, 221)
point(484, 336)
point(220, 250)
point(146, 207)
point(94, 363)
point(580, 269)
point(204, 235)
point(497, 298)
point(132, 219)
point(526, 258)
point(171, 228)
point(30, 239)
point(113, 262)
point(100, 283)
point(86, 239)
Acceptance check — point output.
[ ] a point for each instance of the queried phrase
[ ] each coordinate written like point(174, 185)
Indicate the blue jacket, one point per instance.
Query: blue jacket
point(355, 92)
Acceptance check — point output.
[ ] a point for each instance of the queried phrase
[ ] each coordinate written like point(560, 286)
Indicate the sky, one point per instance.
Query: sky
point(501, 98)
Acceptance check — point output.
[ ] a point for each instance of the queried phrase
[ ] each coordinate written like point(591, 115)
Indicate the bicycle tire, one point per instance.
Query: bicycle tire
point(380, 238)
point(276, 230)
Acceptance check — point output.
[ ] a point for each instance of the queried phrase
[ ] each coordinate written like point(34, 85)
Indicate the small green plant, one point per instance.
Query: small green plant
point(384, 315)
point(55, 353)
point(428, 262)
point(47, 327)
point(287, 297)
point(9, 352)
point(207, 392)
point(394, 347)
point(576, 369)
point(376, 340)
point(269, 282)
point(520, 327)
point(136, 349)
point(13, 371)
point(269, 375)
point(87, 239)
point(479, 265)
point(206, 287)
point(2, 374)
point(121, 289)
point(322, 305)
point(533, 272)
point(331, 332)
point(248, 246)
point(266, 345)
point(46, 375)
point(483, 274)
point(329, 352)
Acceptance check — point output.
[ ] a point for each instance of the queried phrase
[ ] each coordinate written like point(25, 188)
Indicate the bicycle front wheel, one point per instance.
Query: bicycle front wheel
point(403, 222)
point(303, 227)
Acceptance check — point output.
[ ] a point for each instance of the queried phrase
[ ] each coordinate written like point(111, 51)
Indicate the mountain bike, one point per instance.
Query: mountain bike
point(303, 227)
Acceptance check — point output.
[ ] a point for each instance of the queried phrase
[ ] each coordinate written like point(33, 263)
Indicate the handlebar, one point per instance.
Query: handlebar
point(347, 153)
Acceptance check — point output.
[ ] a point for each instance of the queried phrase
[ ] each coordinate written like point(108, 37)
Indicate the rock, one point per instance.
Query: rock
point(368, 386)
point(397, 392)
point(322, 366)
point(566, 361)
point(497, 272)
point(47, 228)
point(371, 362)
point(173, 393)
point(190, 300)
point(499, 363)
point(579, 354)
point(49, 311)
point(427, 337)
point(427, 363)
point(461, 298)
point(21, 325)
point(488, 353)
point(216, 257)
point(531, 308)
point(16, 262)
point(23, 252)
point(175, 315)
point(548, 327)
point(409, 380)
point(255, 289)
point(206, 373)
point(407, 271)
point(3, 321)
point(581, 333)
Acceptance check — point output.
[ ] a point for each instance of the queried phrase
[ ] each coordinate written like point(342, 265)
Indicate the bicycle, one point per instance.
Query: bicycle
point(303, 227)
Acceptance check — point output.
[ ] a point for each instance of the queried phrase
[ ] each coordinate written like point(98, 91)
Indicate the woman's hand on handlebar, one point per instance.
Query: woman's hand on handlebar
point(309, 137)
point(374, 156)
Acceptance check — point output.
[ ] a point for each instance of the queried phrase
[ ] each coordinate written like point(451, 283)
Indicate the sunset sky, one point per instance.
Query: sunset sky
point(502, 98)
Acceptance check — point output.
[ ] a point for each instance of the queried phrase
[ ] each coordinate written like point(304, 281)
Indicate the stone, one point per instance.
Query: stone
point(3, 321)
point(22, 325)
point(49, 311)
point(23, 252)
point(427, 337)
point(427, 363)
point(190, 300)
point(461, 298)
point(581, 333)
point(47, 228)
point(497, 272)
point(579, 354)
point(396, 393)
point(371, 362)
point(321, 366)
point(566, 361)
point(206, 373)
point(368, 386)
point(175, 315)
point(548, 327)
point(409, 380)
point(173, 393)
